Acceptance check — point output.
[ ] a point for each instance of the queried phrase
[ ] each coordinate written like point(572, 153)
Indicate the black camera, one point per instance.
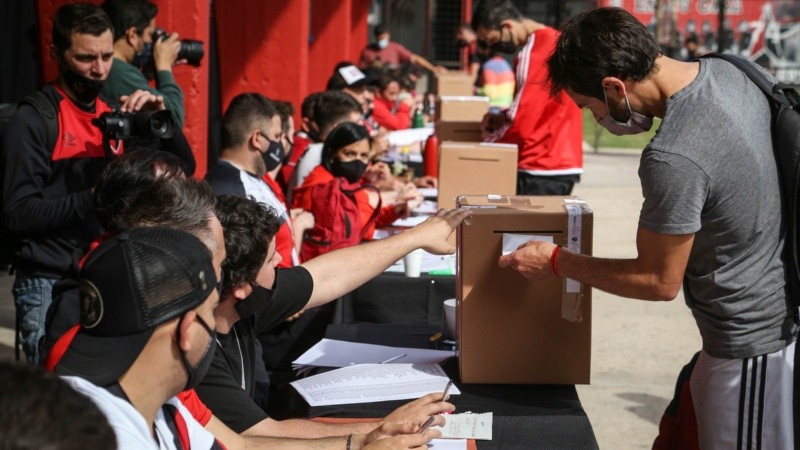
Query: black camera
point(134, 128)
point(191, 50)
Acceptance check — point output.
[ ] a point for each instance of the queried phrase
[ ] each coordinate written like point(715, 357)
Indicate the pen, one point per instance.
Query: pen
point(446, 388)
point(426, 425)
point(395, 358)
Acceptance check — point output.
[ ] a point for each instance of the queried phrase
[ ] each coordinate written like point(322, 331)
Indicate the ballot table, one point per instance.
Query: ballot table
point(525, 416)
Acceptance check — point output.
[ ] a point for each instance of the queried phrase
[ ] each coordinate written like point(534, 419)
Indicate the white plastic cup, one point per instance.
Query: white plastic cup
point(413, 263)
point(450, 316)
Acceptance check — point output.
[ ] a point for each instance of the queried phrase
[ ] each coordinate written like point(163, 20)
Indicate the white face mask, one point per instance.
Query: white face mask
point(383, 43)
point(637, 123)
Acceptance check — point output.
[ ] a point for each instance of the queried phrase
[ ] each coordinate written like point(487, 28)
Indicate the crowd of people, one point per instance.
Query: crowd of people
point(168, 301)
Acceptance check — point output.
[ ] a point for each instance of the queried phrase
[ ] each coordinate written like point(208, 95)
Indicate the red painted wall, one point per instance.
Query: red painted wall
point(330, 40)
point(191, 20)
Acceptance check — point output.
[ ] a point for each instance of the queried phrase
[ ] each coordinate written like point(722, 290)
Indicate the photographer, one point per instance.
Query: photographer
point(52, 159)
point(134, 47)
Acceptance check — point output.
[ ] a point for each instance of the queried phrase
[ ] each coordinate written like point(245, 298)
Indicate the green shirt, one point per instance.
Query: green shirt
point(125, 78)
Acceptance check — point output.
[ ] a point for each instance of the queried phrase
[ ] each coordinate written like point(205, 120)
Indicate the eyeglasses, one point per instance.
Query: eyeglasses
point(220, 283)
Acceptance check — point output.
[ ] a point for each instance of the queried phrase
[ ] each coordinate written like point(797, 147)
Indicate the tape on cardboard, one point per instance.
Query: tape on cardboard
point(571, 297)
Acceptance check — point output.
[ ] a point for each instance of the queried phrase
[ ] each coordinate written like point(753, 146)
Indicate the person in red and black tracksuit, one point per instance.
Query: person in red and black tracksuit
point(548, 131)
point(46, 192)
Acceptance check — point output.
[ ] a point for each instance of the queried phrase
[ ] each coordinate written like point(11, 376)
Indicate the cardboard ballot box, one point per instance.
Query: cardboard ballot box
point(453, 83)
point(461, 108)
point(475, 168)
point(458, 131)
point(511, 329)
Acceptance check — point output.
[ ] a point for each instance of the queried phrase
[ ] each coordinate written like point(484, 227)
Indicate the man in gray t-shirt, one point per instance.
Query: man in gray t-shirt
point(711, 220)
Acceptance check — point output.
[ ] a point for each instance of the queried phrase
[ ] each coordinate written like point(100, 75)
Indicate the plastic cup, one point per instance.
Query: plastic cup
point(450, 316)
point(413, 263)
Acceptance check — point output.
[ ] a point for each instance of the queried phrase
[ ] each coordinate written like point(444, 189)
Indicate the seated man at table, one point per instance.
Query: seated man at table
point(256, 295)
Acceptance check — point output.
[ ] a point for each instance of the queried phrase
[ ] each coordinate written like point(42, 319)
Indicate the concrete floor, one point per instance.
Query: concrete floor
point(638, 347)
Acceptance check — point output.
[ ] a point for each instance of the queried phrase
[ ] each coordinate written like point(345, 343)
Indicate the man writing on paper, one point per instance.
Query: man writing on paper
point(257, 296)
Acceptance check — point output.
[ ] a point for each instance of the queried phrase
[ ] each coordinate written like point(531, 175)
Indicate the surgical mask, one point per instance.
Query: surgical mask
point(504, 46)
point(255, 302)
point(197, 372)
point(636, 123)
point(383, 43)
point(85, 89)
point(352, 171)
point(143, 57)
point(274, 154)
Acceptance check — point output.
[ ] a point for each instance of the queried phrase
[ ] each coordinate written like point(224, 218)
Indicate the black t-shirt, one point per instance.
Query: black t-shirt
point(228, 387)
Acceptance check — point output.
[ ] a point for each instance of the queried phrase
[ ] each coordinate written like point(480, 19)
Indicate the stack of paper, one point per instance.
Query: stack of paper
point(333, 353)
point(367, 383)
point(468, 426)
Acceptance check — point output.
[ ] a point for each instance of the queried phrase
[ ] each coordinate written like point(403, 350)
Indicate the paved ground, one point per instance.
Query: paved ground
point(638, 347)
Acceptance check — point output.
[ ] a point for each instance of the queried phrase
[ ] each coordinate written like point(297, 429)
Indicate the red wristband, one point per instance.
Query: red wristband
point(553, 263)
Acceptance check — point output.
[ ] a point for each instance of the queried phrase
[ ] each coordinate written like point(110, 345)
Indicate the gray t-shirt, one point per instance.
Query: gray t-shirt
point(710, 170)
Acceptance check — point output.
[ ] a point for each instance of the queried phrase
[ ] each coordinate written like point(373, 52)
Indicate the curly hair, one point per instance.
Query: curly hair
point(248, 227)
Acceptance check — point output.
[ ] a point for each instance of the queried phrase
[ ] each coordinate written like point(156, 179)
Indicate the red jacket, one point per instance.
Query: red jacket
point(382, 113)
point(548, 131)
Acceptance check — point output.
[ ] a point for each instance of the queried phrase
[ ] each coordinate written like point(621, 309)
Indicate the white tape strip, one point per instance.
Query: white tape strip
point(574, 233)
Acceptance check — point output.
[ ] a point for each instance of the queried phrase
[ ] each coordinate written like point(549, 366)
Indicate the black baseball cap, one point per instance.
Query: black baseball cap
point(129, 285)
point(348, 75)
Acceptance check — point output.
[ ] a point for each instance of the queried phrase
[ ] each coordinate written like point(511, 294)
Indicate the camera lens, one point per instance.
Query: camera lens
point(191, 51)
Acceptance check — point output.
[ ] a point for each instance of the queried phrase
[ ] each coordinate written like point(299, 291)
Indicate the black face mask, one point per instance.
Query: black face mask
point(255, 302)
point(197, 372)
point(143, 57)
point(461, 43)
point(502, 46)
point(273, 156)
point(85, 89)
point(352, 171)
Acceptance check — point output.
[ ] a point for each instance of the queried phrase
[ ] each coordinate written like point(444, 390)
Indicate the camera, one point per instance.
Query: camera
point(191, 50)
point(122, 126)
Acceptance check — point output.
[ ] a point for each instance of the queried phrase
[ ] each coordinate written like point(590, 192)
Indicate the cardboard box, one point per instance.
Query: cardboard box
point(461, 108)
point(511, 329)
point(475, 168)
point(453, 83)
point(458, 131)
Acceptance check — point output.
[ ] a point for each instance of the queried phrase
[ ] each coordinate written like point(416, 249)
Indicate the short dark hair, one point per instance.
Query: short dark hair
point(248, 227)
point(243, 113)
point(379, 30)
point(39, 410)
point(285, 110)
point(83, 18)
point(489, 14)
point(129, 13)
point(147, 188)
point(309, 105)
point(333, 107)
point(600, 43)
point(342, 135)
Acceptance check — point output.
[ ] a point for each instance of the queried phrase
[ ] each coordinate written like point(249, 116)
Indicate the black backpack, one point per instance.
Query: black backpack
point(47, 111)
point(784, 104)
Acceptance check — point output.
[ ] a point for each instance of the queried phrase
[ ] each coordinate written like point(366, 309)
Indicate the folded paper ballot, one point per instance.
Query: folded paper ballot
point(468, 426)
point(367, 383)
point(512, 241)
point(333, 353)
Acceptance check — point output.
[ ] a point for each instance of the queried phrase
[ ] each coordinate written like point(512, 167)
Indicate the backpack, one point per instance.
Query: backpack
point(784, 104)
point(47, 111)
point(338, 223)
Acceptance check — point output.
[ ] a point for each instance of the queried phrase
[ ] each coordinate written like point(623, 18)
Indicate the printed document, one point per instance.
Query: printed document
point(366, 383)
point(333, 353)
point(468, 426)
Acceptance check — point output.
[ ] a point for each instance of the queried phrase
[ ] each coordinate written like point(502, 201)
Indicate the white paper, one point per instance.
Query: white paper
point(429, 192)
point(410, 221)
point(468, 426)
point(448, 444)
point(366, 383)
point(334, 353)
point(512, 241)
point(408, 136)
point(426, 207)
point(442, 264)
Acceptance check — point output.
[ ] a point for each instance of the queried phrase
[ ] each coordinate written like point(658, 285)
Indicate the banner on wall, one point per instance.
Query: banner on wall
point(765, 31)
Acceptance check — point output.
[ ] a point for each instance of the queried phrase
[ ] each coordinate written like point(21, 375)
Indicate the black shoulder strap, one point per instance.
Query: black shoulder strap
point(782, 93)
point(47, 111)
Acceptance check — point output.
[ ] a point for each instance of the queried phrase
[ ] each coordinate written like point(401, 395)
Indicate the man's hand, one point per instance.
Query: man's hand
point(302, 219)
point(402, 435)
point(531, 260)
point(165, 52)
point(492, 122)
point(418, 411)
point(141, 99)
point(433, 233)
